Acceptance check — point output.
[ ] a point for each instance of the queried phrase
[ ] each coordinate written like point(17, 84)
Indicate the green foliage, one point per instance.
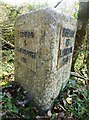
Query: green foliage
point(80, 66)
point(7, 22)
point(14, 103)
point(13, 97)
point(8, 63)
point(77, 9)
point(78, 90)
point(8, 15)
point(74, 99)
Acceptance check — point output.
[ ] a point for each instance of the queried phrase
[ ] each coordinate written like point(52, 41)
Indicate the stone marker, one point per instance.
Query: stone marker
point(44, 43)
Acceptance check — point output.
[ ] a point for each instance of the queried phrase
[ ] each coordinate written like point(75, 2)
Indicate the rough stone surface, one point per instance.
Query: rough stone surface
point(44, 44)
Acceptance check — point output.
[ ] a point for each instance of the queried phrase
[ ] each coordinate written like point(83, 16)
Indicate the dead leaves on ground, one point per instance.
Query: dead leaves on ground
point(65, 106)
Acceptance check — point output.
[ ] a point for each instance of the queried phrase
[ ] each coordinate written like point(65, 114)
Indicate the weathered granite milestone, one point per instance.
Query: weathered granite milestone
point(44, 44)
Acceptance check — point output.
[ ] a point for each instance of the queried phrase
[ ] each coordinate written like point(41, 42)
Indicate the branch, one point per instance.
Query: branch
point(57, 4)
point(11, 45)
point(76, 75)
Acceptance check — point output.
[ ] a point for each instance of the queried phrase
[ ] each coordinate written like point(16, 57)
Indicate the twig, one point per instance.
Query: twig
point(2, 103)
point(57, 4)
point(41, 117)
point(7, 42)
point(62, 107)
point(76, 75)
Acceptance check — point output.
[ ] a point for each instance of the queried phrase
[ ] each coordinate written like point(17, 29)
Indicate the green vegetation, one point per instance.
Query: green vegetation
point(73, 101)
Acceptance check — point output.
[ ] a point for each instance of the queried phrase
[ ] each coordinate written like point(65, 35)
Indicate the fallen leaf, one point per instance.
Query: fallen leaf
point(80, 96)
point(22, 103)
point(69, 100)
point(49, 113)
point(8, 95)
point(3, 83)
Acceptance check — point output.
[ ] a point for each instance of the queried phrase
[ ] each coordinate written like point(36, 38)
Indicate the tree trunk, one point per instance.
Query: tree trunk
point(87, 53)
point(81, 30)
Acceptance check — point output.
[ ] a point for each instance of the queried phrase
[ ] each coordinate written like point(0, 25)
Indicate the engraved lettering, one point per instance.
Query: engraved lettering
point(68, 33)
point(24, 60)
point(65, 51)
point(27, 34)
point(67, 42)
point(64, 61)
point(25, 43)
point(27, 52)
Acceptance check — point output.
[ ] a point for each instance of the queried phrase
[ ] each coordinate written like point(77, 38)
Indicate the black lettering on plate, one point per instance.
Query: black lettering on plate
point(65, 60)
point(27, 34)
point(27, 52)
point(68, 33)
point(65, 51)
point(24, 60)
point(67, 42)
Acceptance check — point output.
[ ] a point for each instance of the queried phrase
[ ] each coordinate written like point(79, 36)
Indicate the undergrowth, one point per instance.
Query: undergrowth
point(71, 104)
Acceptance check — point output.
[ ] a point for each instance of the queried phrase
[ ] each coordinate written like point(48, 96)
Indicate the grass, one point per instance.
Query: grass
point(71, 104)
